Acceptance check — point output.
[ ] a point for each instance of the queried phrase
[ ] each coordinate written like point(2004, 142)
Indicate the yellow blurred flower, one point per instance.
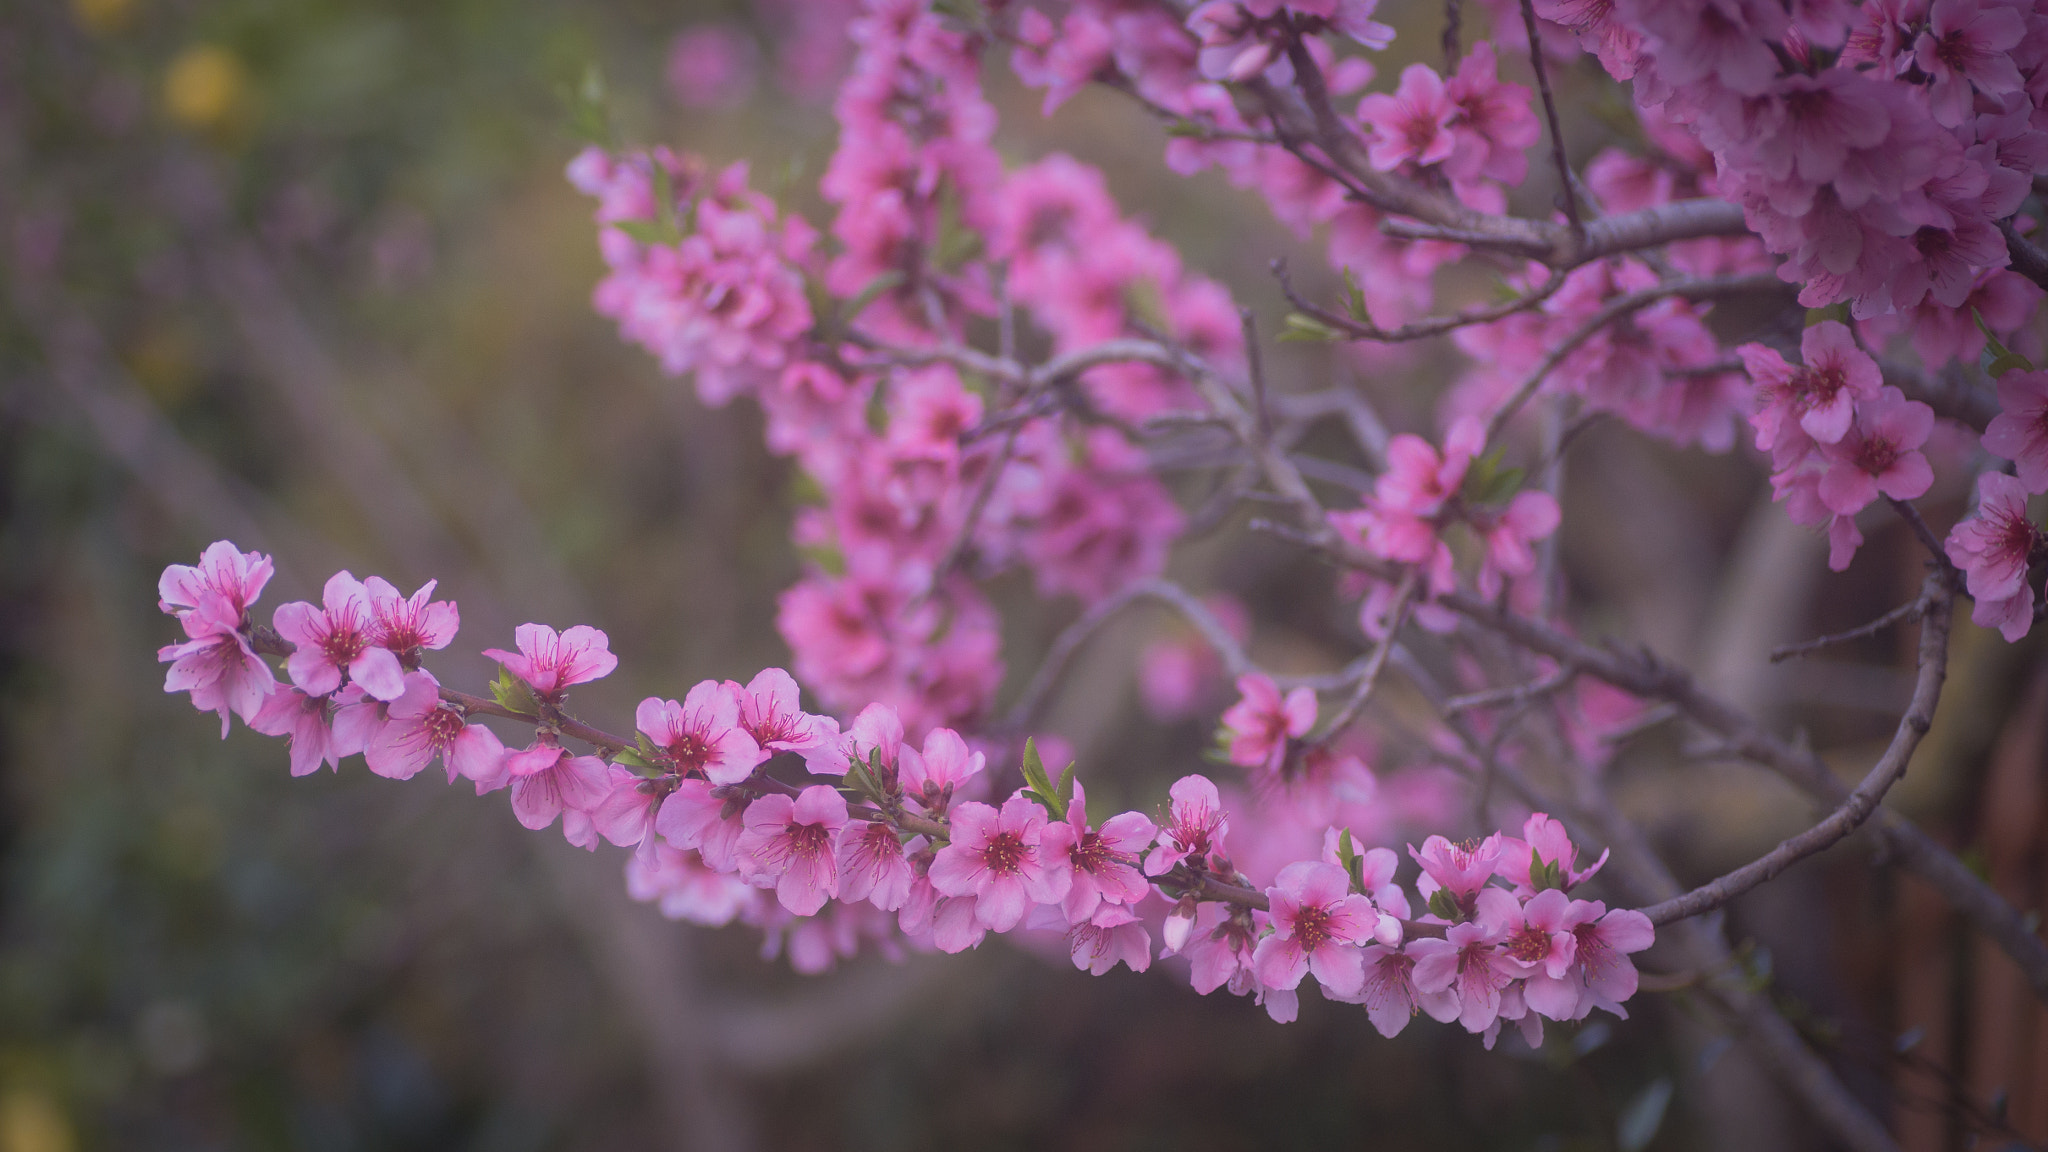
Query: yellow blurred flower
point(203, 85)
point(31, 1122)
point(102, 16)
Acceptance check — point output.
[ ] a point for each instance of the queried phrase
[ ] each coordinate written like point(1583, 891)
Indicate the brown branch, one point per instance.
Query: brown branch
point(1858, 806)
point(1564, 169)
point(2027, 260)
point(1419, 329)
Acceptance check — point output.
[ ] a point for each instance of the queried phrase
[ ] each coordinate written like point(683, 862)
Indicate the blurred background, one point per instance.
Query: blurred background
point(305, 274)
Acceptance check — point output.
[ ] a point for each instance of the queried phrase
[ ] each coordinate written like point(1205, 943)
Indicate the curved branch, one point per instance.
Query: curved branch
point(1861, 803)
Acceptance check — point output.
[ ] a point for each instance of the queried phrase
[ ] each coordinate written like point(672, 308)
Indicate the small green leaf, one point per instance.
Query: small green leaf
point(1838, 312)
point(1354, 299)
point(632, 759)
point(1066, 792)
point(2003, 359)
point(647, 231)
point(1034, 770)
point(1186, 129)
point(1445, 905)
point(512, 694)
point(886, 282)
point(1354, 864)
point(1300, 328)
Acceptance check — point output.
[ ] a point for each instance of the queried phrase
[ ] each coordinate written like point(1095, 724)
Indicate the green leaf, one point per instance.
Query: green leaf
point(632, 759)
point(1354, 299)
point(588, 108)
point(1034, 770)
point(1300, 328)
point(1445, 905)
point(886, 282)
point(2003, 359)
point(1354, 864)
point(1066, 792)
point(512, 694)
point(1186, 129)
point(647, 231)
point(1545, 874)
point(1644, 1115)
point(1838, 312)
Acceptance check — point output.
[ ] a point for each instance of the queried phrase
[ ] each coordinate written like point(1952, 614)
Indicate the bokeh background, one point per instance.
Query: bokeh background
point(305, 274)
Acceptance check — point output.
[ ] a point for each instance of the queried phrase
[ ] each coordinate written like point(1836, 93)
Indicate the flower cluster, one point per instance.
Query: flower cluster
point(902, 842)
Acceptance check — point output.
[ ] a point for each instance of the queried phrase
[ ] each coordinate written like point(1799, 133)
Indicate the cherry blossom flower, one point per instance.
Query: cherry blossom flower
point(932, 776)
point(1102, 865)
point(338, 638)
point(1820, 397)
point(1113, 935)
point(419, 728)
point(1468, 964)
point(1995, 549)
point(546, 780)
point(223, 585)
point(872, 865)
point(789, 842)
point(770, 712)
point(1461, 870)
point(995, 858)
point(1530, 516)
point(307, 722)
point(2019, 432)
point(625, 816)
point(550, 662)
point(1196, 828)
point(407, 624)
point(1880, 454)
point(1605, 939)
point(1261, 723)
point(1965, 45)
point(1544, 852)
point(702, 734)
point(684, 888)
point(1413, 125)
point(698, 816)
point(218, 668)
point(1318, 924)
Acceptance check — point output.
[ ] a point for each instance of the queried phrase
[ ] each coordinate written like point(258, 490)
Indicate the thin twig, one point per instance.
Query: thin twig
point(1419, 329)
point(1564, 168)
point(1912, 610)
point(1397, 615)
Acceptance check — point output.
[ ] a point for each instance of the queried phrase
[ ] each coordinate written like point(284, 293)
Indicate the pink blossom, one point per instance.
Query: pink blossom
point(685, 889)
point(1387, 989)
point(1261, 723)
point(307, 721)
point(550, 662)
point(1318, 923)
point(1102, 865)
point(1821, 396)
point(221, 588)
point(699, 815)
point(702, 734)
point(1881, 453)
point(1468, 964)
point(407, 624)
point(1196, 828)
point(1113, 935)
point(338, 638)
point(625, 816)
point(1494, 126)
point(875, 738)
point(872, 865)
point(1995, 549)
point(1604, 943)
point(994, 857)
point(1419, 480)
point(1538, 934)
point(2019, 432)
point(1965, 45)
point(1219, 946)
point(1544, 845)
point(1413, 125)
point(419, 727)
point(1509, 533)
point(712, 66)
point(2012, 616)
point(218, 668)
point(789, 842)
point(1461, 870)
point(770, 712)
point(546, 780)
point(932, 776)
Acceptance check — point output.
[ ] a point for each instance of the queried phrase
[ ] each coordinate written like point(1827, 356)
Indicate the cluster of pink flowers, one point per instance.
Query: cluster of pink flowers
point(1998, 546)
point(902, 843)
point(1837, 434)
